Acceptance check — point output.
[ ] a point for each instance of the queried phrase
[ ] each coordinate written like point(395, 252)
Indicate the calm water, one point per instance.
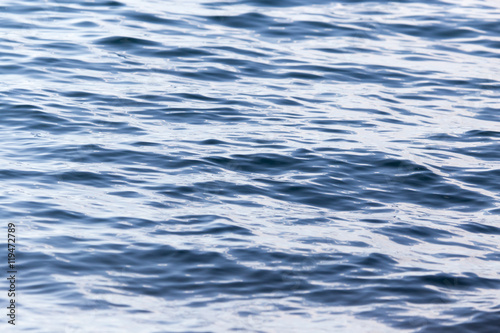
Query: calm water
point(252, 165)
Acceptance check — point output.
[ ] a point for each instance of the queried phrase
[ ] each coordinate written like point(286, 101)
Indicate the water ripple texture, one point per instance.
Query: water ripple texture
point(252, 165)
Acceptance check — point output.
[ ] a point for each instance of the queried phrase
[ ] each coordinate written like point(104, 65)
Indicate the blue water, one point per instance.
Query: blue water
point(252, 165)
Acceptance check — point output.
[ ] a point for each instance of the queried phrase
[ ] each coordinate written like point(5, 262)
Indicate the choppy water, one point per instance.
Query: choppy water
point(252, 165)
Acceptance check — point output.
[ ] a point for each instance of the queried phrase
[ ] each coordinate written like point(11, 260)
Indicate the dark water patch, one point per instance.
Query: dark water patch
point(481, 228)
point(481, 321)
point(124, 42)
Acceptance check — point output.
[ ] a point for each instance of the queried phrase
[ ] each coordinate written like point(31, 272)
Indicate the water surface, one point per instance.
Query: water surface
point(252, 165)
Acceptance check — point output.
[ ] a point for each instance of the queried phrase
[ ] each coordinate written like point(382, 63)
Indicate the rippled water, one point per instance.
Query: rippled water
point(252, 165)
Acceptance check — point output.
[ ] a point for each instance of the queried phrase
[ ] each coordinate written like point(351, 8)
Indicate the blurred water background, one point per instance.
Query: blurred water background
point(252, 165)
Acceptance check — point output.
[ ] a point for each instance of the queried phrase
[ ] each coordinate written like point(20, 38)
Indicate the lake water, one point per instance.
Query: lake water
point(251, 165)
